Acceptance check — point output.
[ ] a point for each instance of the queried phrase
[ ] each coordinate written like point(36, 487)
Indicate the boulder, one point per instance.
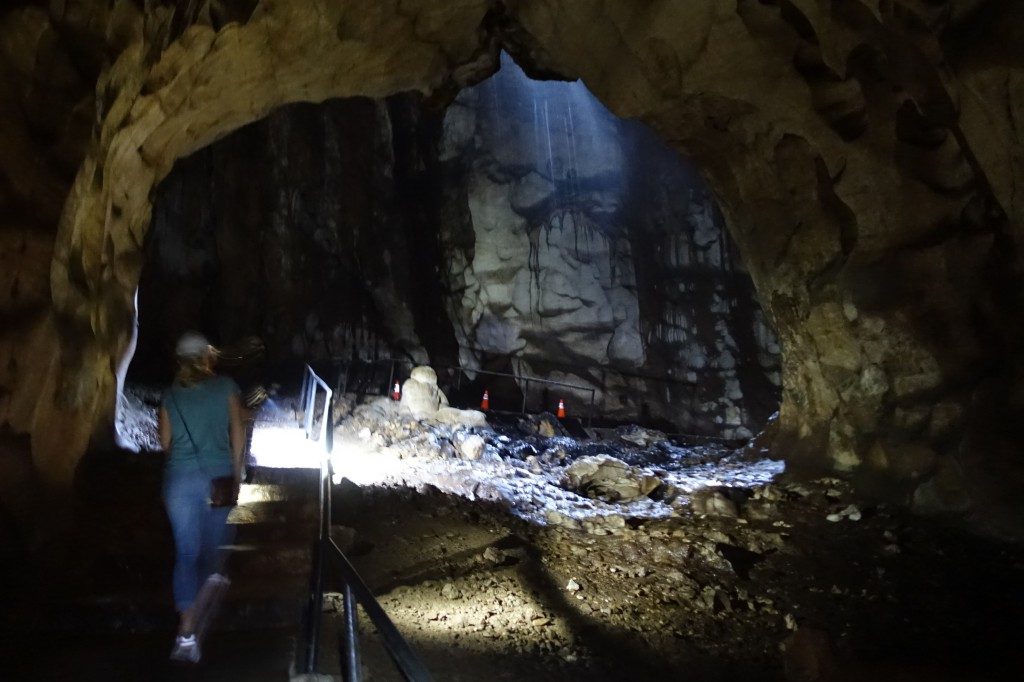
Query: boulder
point(421, 395)
point(638, 435)
point(472, 447)
point(609, 479)
point(456, 417)
point(714, 503)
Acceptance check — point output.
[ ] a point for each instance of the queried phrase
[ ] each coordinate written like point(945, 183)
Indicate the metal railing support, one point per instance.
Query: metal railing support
point(350, 669)
point(354, 590)
point(310, 402)
point(311, 384)
point(407, 662)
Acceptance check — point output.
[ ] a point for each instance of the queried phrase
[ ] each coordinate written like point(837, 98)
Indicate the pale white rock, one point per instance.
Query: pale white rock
point(626, 346)
point(472, 447)
point(714, 503)
point(530, 192)
point(420, 394)
point(459, 128)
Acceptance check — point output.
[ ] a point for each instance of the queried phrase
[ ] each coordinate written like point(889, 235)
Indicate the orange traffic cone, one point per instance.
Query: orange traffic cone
point(396, 392)
point(561, 409)
point(485, 404)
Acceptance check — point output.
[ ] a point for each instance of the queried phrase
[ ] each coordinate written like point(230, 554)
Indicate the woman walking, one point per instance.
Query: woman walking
point(201, 431)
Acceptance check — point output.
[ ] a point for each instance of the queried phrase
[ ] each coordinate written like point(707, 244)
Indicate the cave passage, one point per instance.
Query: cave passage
point(522, 227)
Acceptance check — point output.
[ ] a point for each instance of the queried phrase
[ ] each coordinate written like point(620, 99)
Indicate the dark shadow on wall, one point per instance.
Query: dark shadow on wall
point(311, 229)
point(363, 228)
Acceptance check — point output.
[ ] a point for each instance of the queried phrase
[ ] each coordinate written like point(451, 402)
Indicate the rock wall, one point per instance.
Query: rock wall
point(47, 111)
point(596, 256)
point(865, 155)
point(326, 233)
point(305, 229)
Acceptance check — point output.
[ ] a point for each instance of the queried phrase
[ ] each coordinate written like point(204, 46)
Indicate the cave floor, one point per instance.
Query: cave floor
point(98, 606)
point(483, 593)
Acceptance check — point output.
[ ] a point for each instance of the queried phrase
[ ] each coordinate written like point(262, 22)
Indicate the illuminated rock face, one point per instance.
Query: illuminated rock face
point(523, 221)
point(866, 160)
point(595, 256)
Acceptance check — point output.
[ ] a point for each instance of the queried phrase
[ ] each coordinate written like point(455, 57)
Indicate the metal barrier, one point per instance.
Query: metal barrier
point(354, 588)
point(524, 382)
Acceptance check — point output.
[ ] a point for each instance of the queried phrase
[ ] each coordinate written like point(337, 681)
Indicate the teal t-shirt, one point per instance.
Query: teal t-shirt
point(204, 407)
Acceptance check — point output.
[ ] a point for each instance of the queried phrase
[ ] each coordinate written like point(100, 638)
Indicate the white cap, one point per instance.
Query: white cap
point(192, 345)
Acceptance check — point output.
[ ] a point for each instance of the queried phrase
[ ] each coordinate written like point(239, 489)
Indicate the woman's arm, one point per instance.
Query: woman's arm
point(165, 429)
point(237, 434)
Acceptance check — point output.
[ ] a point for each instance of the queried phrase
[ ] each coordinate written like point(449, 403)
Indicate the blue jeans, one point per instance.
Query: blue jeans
point(199, 532)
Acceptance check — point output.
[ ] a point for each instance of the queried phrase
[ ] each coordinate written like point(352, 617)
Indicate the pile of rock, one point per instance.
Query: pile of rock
point(607, 478)
point(639, 436)
point(422, 397)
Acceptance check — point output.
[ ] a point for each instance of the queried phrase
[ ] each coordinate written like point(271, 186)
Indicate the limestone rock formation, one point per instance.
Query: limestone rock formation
point(323, 229)
point(596, 256)
point(420, 394)
point(865, 156)
point(609, 479)
point(422, 397)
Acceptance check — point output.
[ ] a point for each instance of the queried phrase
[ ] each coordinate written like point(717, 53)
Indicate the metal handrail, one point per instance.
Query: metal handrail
point(310, 385)
point(401, 653)
point(354, 588)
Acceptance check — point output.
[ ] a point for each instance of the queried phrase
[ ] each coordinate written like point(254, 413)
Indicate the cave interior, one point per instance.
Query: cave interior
point(521, 227)
point(663, 337)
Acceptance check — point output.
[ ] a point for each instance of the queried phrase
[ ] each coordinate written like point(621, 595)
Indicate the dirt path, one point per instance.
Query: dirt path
point(483, 595)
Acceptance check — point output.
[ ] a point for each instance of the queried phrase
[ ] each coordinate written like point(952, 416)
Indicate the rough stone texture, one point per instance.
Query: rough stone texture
point(866, 156)
point(609, 479)
point(420, 394)
point(311, 228)
point(323, 230)
point(596, 256)
point(46, 113)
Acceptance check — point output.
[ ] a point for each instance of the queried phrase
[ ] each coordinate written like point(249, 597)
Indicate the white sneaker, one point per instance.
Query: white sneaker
point(219, 579)
point(186, 650)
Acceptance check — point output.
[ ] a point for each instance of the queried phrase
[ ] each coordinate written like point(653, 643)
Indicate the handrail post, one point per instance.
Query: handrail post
point(391, 378)
point(311, 382)
point(350, 668)
point(310, 400)
point(305, 390)
point(316, 599)
point(401, 653)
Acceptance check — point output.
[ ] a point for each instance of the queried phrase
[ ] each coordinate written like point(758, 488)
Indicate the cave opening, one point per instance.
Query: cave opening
point(520, 227)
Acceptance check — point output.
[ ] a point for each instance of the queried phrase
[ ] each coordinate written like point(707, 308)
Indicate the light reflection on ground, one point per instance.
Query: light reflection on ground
point(279, 443)
point(529, 495)
point(282, 446)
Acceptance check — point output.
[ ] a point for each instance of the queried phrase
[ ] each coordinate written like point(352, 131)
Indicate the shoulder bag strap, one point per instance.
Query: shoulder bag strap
point(181, 415)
